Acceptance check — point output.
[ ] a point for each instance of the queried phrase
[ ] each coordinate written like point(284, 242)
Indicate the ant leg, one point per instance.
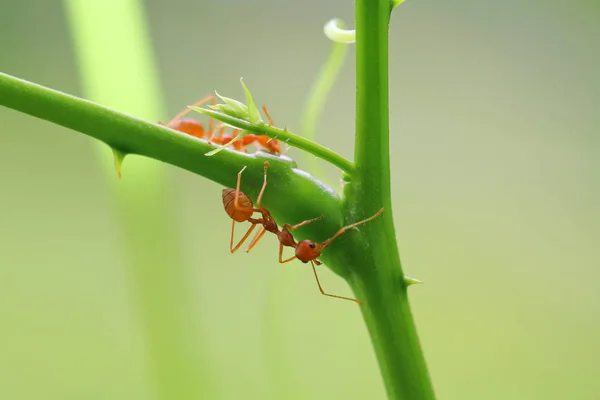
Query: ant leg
point(232, 233)
point(236, 199)
point(234, 249)
point(236, 202)
point(214, 133)
point(262, 190)
point(327, 294)
point(196, 104)
point(238, 143)
point(345, 228)
point(281, 260)
point(263, 140)
point(301, 224)
point(257, 233)
point(271, 123)
point(256, 239)
point(234, 133)
point(211, 121)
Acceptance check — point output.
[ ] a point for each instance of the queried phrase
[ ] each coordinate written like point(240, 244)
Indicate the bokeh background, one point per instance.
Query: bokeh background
point(494, 121)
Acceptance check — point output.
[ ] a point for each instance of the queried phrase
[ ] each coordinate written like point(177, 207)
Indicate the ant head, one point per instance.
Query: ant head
point(307, 250)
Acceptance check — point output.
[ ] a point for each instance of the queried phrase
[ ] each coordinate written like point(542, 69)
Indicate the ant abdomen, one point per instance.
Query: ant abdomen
point(244, 210)
point(189, 126)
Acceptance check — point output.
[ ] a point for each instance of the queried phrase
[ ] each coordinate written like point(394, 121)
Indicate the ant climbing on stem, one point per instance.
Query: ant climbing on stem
point(217, 134)
point(240, 208)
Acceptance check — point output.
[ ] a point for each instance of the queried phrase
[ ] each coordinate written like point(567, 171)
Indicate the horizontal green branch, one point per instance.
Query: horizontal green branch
point(292, 195)
point(283, 135)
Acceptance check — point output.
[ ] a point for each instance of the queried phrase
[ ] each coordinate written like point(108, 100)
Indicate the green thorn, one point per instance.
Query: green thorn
point(411, 281)
point(119, 156)
point(396, 3)
point(252, 110)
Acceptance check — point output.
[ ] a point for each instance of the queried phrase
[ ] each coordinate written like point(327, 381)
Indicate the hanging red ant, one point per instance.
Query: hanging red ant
point(218, 136)
point(240, 208)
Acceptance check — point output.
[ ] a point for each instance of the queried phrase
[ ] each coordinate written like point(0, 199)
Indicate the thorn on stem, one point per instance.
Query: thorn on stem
point(119, 156)
point(411, 281)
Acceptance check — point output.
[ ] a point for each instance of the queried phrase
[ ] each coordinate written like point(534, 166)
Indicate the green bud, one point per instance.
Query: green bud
point(232, 108)
point(252, 110)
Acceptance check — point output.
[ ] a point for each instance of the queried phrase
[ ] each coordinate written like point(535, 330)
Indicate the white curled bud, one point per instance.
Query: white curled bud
point(334, 30)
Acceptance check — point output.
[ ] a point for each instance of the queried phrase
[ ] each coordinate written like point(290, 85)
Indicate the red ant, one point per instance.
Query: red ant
point(196, 129)
point(240, 208)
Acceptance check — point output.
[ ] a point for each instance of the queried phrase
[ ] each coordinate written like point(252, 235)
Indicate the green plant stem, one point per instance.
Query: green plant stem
point(283, 135)
point(367, 257)
point(292, 195)
point(377, 278)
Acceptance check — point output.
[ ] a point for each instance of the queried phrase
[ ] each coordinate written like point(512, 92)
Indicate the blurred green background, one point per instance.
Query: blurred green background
point(495, 146)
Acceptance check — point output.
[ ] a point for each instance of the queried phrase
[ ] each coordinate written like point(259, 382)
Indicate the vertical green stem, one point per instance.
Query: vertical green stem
point(372, 108)
point(377, 279)
point(117, 69)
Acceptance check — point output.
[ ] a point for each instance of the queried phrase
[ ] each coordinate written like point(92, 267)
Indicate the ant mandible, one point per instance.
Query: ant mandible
point(240, 208)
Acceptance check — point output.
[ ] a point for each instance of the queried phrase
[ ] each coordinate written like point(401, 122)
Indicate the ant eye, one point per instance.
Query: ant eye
point(312, 245)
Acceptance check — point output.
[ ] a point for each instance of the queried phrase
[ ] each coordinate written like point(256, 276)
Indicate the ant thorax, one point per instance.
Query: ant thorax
point(271, 226)
point(286, 238)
